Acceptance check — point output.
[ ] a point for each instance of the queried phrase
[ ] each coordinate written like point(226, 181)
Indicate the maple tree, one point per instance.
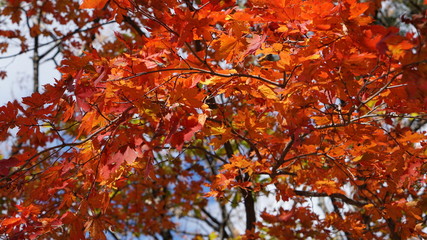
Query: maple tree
point(197, 103)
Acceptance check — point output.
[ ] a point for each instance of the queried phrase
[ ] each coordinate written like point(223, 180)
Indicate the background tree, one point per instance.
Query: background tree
point(198, 108)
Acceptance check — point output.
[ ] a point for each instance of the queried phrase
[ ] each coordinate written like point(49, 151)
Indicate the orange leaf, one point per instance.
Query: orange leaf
point(11, 221)
point(93, 4)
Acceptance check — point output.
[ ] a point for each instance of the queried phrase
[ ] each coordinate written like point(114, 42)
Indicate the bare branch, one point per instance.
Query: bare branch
point(340, 196)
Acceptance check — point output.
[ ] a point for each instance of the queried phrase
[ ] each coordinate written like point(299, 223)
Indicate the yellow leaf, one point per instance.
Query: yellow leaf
point(356, 159)
point(267, 92)
point(367, 206)
point(311, 57)
point(218, 130)
point(210, 81)
point(282, 28)
point(326, 183)
point(213, 235)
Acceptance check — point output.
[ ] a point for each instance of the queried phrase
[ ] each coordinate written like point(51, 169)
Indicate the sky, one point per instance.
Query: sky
point(19, 80)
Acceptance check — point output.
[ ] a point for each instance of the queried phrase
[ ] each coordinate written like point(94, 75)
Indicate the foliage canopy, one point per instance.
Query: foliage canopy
point(198, 107)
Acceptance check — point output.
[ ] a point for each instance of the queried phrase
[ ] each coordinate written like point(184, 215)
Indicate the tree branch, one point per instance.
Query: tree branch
point(281, 159)
point(340, 196)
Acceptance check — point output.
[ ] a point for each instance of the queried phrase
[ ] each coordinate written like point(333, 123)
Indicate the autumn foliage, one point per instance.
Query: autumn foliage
point(196, 102)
